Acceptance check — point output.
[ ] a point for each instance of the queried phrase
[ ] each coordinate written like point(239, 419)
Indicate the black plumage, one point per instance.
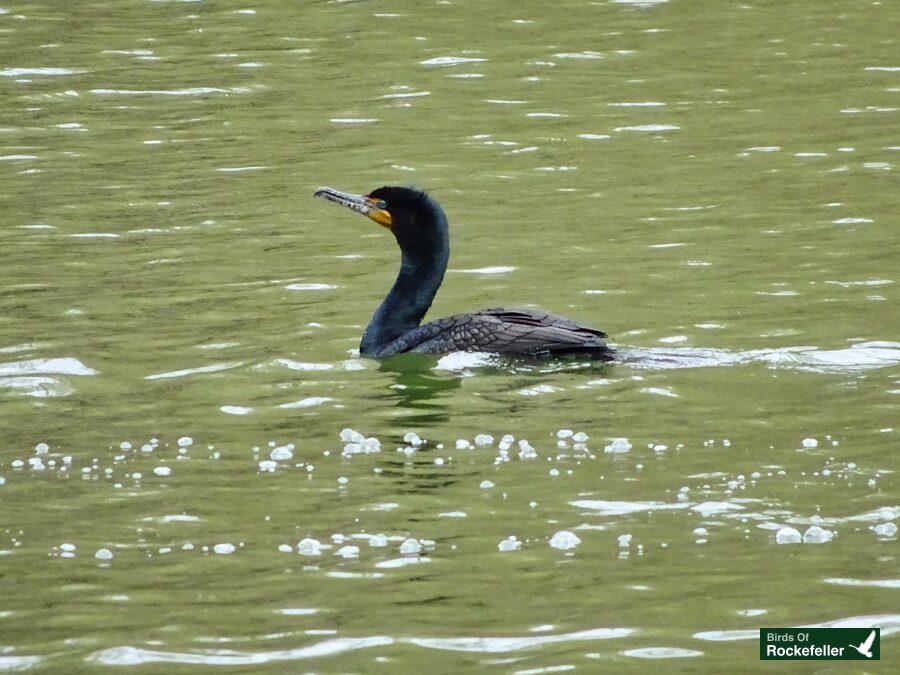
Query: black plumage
point(420, 227)
point(501, 331)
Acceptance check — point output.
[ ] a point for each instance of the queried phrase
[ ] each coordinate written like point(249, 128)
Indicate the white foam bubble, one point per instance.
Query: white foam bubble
point(788, 535)
point(412, 438)
point(351, 436)
point(618, 446)
point(817, 535)
point(885, 530)
point(309, 547)
point(281, 453)
point(509, 544)
point(348, 552)
point(564, 540)
point(410, 547)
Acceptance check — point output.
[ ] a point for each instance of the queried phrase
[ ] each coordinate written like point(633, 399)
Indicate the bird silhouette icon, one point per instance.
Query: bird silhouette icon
point(864, 648)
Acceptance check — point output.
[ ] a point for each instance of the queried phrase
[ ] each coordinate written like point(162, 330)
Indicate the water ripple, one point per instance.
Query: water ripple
point(39, 387)
point(302, 365)
point(858, 357)
point(443, 61)
point(59, 366)
point(502, 269)
point(33, 377)
point(9, 663)
point(309, 402)
point(613, 508)
point(579, 55)
point(18, 72)
point(889, 624)
point(512, 644)
point(649, 127)
point(869, 583)
point(214, 368)
point(188, 91)
point(310, 287)
point(353, 120)
point(133, 656)
point(661, 653)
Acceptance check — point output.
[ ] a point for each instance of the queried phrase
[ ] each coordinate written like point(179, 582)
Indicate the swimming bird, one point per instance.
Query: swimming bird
point(420, 227)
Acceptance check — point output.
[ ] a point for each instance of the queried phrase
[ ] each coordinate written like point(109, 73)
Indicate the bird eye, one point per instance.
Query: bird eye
point(381, 204)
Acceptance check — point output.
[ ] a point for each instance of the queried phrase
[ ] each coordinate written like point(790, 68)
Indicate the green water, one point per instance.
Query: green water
point(167, 274)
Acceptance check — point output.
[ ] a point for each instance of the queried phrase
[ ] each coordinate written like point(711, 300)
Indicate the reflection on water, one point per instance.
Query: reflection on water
point(178, 326)
point(418, 390)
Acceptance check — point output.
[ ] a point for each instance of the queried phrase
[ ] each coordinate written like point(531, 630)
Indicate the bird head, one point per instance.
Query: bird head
point(415, 219)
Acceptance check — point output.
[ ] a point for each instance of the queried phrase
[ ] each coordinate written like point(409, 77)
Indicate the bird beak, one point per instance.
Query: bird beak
point(368, 206)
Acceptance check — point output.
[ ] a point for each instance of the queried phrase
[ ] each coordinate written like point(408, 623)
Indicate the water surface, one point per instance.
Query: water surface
point(714, 184)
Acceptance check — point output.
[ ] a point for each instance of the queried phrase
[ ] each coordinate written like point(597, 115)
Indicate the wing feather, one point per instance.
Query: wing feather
point(505, 331)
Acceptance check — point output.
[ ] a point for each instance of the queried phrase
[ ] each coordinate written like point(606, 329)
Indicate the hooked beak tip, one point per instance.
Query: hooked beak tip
point(363, 204)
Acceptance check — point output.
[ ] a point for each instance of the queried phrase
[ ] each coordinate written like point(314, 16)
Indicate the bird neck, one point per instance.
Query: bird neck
point(420, 276)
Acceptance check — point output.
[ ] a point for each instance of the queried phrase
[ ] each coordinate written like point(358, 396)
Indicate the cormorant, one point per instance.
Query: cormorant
point(420, 227)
